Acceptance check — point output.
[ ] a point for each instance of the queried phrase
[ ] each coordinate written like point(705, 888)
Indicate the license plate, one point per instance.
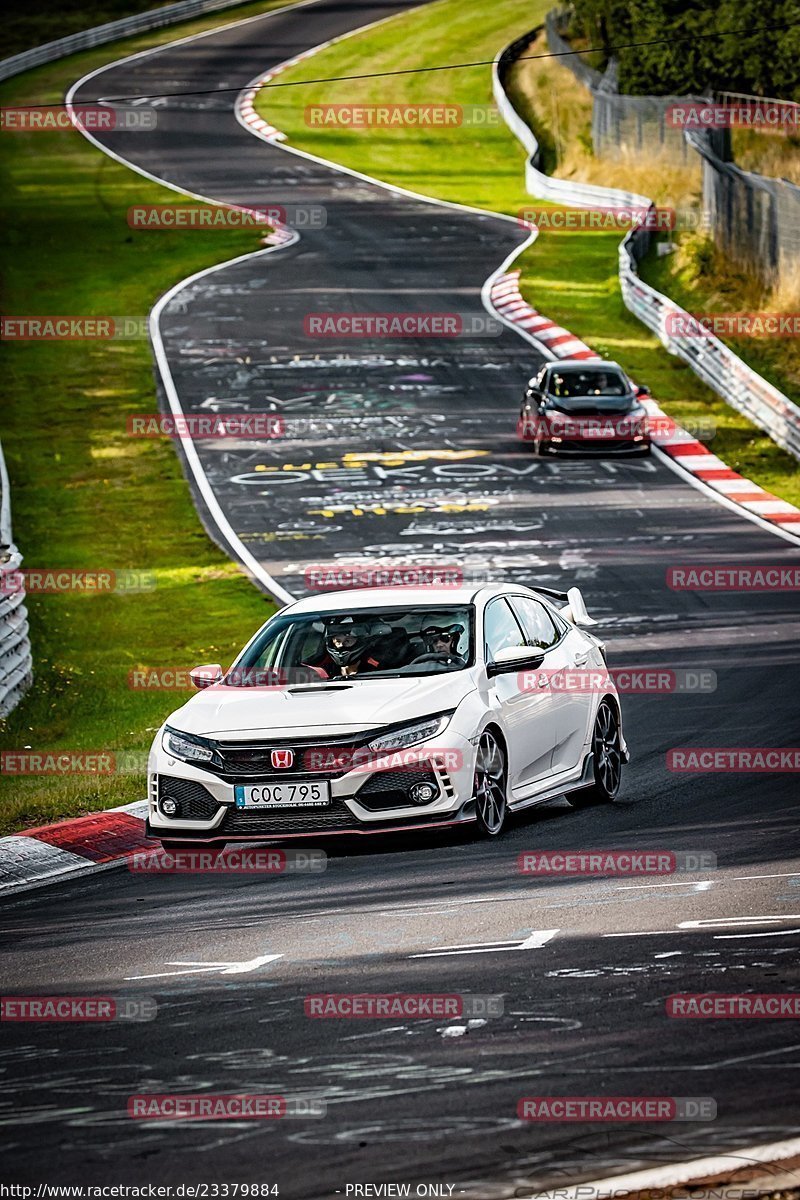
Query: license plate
point(596, 431)
point(282, 793)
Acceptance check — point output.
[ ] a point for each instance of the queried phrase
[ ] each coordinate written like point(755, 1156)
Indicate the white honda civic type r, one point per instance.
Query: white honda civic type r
point(373, 711)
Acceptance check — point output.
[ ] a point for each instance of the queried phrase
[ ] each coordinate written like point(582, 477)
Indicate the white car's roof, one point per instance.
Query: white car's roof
point(394, 597)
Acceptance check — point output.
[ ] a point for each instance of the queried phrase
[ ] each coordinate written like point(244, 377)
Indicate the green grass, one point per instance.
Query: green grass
point(569, 277)
point(84, 494)
point(473, 164)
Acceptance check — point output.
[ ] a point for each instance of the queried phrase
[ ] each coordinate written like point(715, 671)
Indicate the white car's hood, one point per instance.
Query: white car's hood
point(228, 712)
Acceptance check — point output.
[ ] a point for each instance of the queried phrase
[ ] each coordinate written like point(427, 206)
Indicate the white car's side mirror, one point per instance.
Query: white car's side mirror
point(206, 676)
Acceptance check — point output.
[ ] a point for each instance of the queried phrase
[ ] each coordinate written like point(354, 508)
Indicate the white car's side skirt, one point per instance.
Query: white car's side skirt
point(555, 787)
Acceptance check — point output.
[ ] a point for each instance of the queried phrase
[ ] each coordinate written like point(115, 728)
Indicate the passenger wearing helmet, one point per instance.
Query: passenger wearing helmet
point(441, 644)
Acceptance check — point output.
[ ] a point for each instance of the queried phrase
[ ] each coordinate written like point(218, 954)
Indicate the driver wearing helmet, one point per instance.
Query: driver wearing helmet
point(441, 642)
point(350, 642)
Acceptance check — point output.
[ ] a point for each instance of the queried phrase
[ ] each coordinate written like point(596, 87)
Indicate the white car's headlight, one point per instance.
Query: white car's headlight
point(181, 745)
point(410, 735)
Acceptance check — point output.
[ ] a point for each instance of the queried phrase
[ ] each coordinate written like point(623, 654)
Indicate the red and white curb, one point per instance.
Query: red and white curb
point(245, 102)
point(245, 110)
point(671, 438)
point(90, 843)
point(506, 298)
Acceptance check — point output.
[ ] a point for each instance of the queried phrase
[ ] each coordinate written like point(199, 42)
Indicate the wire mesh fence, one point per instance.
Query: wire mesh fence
point(753, 218)
point(621, 125)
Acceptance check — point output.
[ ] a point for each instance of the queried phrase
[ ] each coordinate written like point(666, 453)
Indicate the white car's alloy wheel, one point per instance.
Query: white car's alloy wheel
point(490, 785)
point(607, 753)
point(607, 757)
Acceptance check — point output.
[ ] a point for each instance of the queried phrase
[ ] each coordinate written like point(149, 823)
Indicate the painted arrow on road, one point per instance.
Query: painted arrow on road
point(534, 941)
point(223, 968)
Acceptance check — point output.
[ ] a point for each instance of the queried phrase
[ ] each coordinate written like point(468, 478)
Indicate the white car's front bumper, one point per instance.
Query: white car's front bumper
point(368, 799)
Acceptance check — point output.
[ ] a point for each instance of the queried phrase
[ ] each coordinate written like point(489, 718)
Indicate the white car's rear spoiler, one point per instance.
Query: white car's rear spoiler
point(574, 610)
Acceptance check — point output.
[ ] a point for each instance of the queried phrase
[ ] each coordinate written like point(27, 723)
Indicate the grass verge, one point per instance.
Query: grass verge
point(84, 494)
point(572, 276)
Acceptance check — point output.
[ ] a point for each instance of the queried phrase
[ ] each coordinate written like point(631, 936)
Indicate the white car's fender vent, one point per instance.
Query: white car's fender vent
point(448, 786)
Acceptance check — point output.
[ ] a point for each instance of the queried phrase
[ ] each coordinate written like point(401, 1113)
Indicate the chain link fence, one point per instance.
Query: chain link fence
point(16, 668)
point(754, 219)
point(622, 126)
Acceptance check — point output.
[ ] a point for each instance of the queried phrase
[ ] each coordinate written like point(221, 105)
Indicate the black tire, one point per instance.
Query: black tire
point(607, 760)
point(489, 791)
point(525, 428)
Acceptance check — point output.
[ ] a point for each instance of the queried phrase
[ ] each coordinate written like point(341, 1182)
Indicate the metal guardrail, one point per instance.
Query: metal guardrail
point(16, 667)
point(714, 362)
point(710, 359)
point(85, 39)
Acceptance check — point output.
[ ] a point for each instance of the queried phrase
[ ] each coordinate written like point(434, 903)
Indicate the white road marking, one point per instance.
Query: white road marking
point(472, 945)
point(776, 875)
point(642, 933)
point(224, 968)
point(725, 937)
point(538, 938)
point(698, 885)
point(534, 941)
point(714, 922)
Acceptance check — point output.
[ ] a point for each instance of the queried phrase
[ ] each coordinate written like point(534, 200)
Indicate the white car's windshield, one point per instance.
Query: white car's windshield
point(362, 642)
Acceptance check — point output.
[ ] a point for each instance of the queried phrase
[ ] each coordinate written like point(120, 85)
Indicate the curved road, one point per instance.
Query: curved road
point(427, 1101)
